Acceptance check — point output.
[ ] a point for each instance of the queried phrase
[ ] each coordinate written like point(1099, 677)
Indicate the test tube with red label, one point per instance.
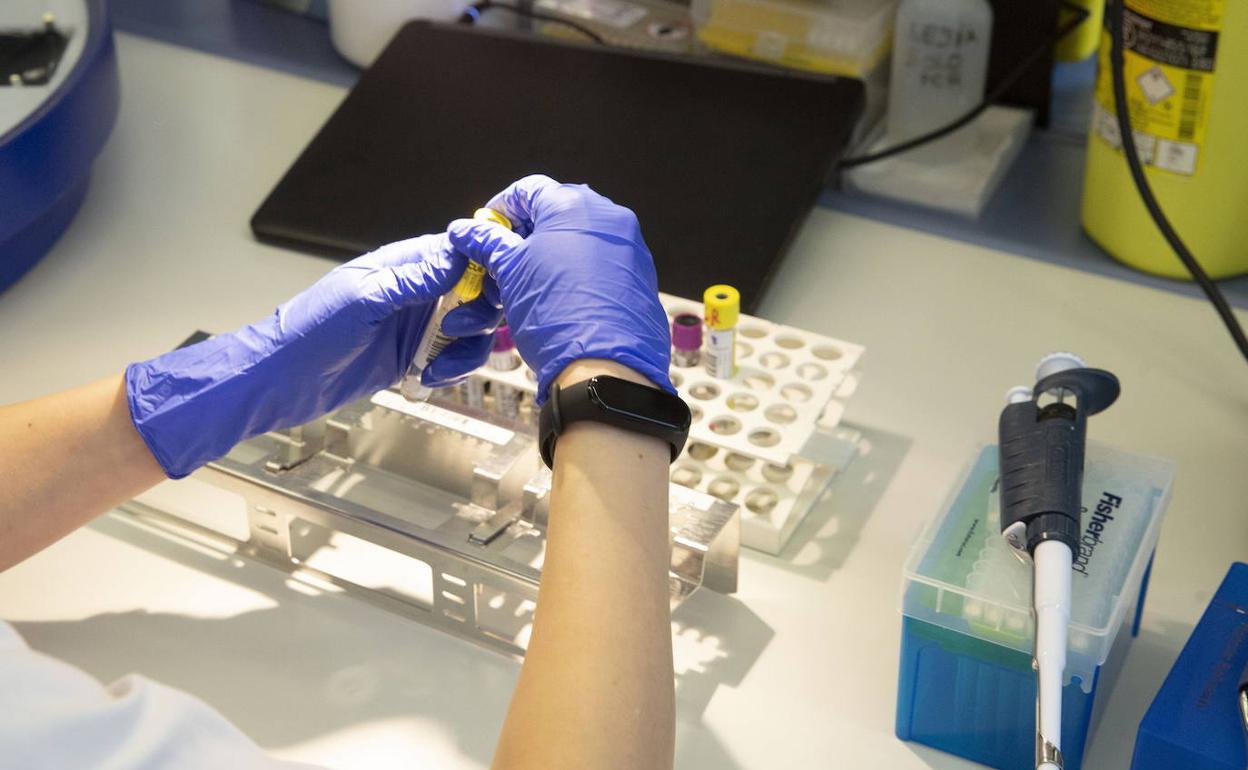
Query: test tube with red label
point(722, 306)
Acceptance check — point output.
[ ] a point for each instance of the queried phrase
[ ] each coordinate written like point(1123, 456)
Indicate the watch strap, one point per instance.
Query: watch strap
point(549, 426)
point(574, 404)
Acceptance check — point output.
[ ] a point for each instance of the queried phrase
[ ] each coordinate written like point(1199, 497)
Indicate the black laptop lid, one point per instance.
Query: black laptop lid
point(720, 162)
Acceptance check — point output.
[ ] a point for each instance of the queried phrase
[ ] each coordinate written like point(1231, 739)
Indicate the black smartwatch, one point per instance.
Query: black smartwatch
point(616, 402)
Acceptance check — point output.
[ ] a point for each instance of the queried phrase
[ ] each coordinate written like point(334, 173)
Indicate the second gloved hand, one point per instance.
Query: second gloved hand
point(576, 279)
point(351, 333)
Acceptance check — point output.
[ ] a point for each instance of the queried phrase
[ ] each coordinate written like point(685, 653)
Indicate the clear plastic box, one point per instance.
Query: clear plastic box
point(966, 684)
point(836, 37)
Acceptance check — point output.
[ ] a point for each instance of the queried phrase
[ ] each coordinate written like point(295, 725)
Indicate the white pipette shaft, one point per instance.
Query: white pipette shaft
point(1052, 603)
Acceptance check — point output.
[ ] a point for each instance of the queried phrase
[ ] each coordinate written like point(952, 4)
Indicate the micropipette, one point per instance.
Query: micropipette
point(1041, 450)
point(434, 341)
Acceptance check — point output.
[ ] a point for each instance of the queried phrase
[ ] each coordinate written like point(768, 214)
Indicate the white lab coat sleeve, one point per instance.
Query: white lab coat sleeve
point(53, 715)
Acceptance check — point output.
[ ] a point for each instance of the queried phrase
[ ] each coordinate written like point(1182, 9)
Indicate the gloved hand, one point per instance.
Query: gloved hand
point(575, 277)
point(351, 333)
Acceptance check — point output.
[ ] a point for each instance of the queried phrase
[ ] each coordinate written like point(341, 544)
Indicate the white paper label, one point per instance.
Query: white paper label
point(447, 419)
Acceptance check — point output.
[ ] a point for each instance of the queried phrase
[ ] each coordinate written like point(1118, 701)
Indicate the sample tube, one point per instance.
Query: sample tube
point(532, 412)
point(454, 395)
point(723, 306)
point(504, 358)
point(474, 392)
point(434, 341)
point(686, 339)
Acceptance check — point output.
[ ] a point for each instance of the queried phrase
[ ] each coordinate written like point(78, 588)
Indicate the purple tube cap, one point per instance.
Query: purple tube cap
point(502, 339)
point(687, 332)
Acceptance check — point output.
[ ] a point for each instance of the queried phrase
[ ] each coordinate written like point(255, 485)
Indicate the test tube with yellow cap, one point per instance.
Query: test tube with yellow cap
point(434, 341)
point(722, 305)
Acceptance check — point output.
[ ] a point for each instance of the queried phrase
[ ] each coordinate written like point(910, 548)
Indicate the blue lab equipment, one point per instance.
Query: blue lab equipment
point(46, 159)
point(966, 683)
point(1195, 722)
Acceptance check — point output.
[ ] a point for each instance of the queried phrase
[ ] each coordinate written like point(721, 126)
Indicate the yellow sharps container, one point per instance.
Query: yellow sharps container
point(1187, 87)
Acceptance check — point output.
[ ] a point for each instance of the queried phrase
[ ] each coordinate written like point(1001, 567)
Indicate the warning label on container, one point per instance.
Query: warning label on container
point(1171, 52)
point(1190, 49)
point(1155, 85)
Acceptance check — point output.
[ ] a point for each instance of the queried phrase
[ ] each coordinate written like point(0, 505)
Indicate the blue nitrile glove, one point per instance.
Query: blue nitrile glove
point(351, 333)
point(575, 278)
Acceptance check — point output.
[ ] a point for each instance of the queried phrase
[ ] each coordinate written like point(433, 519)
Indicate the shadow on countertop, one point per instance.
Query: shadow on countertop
point(308, 663)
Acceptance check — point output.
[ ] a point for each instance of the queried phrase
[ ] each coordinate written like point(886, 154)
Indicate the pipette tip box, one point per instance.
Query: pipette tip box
point(1194, 721)
point(966, 683)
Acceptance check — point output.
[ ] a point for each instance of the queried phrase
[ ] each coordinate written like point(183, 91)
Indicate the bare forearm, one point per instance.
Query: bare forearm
point(596, 689)
point(66, 458)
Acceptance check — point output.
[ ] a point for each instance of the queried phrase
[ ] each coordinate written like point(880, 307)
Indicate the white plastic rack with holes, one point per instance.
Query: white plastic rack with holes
point(774, 499)
point(748, 432)
point(788, 382)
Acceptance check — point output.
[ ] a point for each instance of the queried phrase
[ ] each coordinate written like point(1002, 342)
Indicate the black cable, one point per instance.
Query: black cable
point(1117, 62)
point(486, 5)
point(1080, 16)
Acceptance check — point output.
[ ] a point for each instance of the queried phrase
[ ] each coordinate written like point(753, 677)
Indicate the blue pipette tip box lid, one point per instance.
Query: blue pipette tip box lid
point(1194, 721)
point(966, 685)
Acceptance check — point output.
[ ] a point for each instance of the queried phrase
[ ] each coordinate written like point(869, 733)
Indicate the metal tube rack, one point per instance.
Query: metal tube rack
point(427, 511)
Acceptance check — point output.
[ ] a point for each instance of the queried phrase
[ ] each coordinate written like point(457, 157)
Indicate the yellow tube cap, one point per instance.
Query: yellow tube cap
point(723, 306)
point(490, 215)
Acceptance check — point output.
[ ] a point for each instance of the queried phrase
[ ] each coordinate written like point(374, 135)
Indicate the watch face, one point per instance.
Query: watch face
point(640, 402)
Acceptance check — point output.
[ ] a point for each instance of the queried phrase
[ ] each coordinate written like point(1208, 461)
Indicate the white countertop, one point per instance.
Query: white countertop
point(797, 670)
